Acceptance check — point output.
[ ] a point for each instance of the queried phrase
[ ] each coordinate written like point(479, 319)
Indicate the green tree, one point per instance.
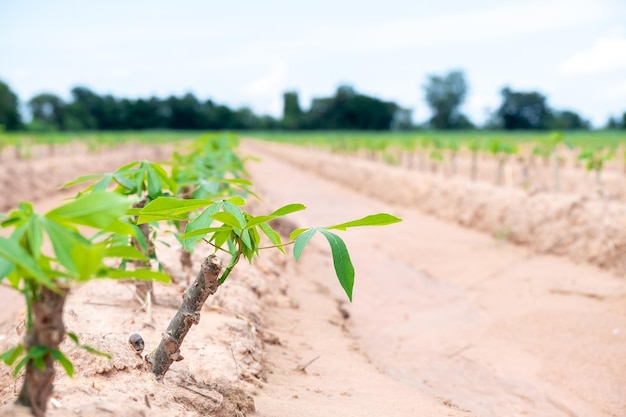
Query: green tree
point(444, 95)
point(612, 123)
point(523, 110)
point(568, 120)
point(9, 113)
point(350, 110)
point(48, 110)
point(292, 113)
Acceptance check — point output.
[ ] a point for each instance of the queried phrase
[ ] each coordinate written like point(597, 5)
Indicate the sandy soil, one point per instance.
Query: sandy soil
point(446, 321)
point(480, 324)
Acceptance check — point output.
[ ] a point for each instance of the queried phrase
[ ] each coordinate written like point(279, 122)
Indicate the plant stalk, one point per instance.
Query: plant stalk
point(47, 330)
point(168, 351)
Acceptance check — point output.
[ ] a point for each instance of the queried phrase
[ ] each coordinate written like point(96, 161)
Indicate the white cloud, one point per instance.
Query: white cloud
point(268, 89)
point(270, 82)
point(479, 106)
point(456, 29)
point(617, 91)
point(608, 53)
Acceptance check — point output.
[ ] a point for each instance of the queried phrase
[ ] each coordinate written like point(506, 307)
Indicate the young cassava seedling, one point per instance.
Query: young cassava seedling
point(44, 277)
point(145, 181)
point(228, 229)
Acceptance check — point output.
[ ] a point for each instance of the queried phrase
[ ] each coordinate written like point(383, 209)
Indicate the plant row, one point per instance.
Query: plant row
point(108, 231)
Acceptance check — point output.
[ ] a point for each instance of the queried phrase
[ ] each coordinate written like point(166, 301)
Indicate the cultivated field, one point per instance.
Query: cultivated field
point(502, 292)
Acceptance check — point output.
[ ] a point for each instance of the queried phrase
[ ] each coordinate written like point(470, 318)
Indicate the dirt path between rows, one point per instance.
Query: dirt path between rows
point(445, 315)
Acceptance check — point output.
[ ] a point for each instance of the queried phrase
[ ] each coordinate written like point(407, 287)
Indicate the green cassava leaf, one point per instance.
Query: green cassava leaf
point(63, 360)
point(253, 221)
point(12, 252)
point(203, 221)
point(237, 200)
point(227, 219)
point(171, 184)
point(10, 356)
point(205, 231)
point(125, 252)
point(88, 259)
point(380, 219)
point(6, 268)
point(139, 274)
point(74, 338)
point(272, 235)
point(169, 208)
point(63, 241)
point(236, 212)
point(288, 209)
point(35, 236)
point(297, 232)
point(154, 184)
point(100, 210)
point(82, 179)
point(219, 238)
point(342, 262)
point(302, 240)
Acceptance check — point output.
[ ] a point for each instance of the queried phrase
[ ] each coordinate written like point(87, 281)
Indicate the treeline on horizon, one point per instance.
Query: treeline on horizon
point(345, 110)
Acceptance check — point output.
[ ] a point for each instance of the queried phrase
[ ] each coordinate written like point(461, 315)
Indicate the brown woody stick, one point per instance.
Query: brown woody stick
point(168, 351)
point(48, 330)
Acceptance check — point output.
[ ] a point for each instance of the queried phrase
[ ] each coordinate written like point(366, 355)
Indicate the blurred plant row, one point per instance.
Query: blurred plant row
point(441, 152)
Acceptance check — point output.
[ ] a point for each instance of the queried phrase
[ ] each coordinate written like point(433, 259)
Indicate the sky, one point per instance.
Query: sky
point(247, 53)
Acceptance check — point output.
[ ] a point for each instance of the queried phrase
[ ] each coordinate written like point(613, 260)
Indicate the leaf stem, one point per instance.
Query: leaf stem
point(278, 246)
point(215, 246)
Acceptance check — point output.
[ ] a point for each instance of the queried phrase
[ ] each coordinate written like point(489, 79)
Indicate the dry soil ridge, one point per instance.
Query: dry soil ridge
point(582, 227)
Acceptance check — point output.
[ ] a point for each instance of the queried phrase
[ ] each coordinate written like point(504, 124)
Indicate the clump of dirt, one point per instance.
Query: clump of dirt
point(578, 226)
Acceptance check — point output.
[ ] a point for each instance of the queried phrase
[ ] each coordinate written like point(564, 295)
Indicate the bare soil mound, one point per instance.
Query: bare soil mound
point(583, 228)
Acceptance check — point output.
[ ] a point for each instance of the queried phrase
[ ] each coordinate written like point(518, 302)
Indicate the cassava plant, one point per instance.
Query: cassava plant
point(548, 149)
point(452, 146)
point(44, 255)
point(474, 146)
point(436, 154)
point(210, 170)
point(502, 151)
point(595, 157)
point(223, 225)
point(144, 181)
